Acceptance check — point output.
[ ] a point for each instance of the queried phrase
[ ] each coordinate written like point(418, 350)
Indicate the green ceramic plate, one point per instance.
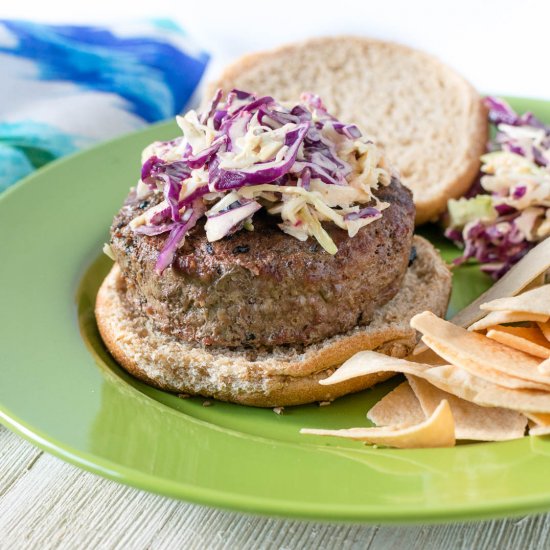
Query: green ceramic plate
point(61, 390)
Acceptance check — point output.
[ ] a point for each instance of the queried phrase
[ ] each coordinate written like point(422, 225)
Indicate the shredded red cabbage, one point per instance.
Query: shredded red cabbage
point(229, 219)
point(368, 212)
point(206, 163)
point(177, 235)
point(498, 243)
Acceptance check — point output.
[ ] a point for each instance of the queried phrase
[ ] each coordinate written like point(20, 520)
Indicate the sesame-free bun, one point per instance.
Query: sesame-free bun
point(431, 122)
point(269, 378)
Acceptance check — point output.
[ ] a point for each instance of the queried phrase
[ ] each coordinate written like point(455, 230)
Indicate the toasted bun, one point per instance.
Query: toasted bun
point(431, 122)
point(282, 376)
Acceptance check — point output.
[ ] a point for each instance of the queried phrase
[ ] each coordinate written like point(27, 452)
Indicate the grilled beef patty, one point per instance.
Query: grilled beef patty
point(264, 287)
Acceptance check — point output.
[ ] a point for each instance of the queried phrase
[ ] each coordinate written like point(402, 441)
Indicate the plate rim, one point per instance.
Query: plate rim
point(248, 503)
point(284, 509)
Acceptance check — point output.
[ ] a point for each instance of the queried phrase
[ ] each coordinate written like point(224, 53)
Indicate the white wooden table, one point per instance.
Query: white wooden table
point(46, 503)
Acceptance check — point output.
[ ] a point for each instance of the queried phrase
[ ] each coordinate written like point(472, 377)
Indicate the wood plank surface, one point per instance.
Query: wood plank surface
point(45, 503)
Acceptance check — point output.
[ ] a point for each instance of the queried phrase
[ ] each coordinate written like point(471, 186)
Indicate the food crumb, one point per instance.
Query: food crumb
point(184, 395)
point(324, 403)
point(241, 249)
point(278, 410)
point(206, 403)
point(412, 255)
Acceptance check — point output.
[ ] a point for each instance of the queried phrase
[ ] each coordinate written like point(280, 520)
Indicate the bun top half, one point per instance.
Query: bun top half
point(431, 121)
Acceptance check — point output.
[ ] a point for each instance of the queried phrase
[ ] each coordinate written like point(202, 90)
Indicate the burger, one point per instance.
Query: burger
point(260, 250)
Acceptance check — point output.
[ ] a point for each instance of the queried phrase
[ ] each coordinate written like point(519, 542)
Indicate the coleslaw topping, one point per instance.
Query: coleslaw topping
point(509, 211)
point(245, 153)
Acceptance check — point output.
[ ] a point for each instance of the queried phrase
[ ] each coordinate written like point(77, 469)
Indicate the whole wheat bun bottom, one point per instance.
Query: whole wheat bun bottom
point(278, 377)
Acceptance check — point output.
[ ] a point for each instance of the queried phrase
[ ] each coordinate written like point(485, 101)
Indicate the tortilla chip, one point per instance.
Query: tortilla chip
point(527, 339)
point(545, 329)
point(472, 422)
point(531, 266)
point(399, 407)
point(539, 424)
point(536, 300)
point(539, 419)
point(539, 430)
point(482, 368)
point(445, 377)
point(544, 367)
point(480, 355)
point(502, 317)
point(428, 357)
point(537, 281)
point(436, 431)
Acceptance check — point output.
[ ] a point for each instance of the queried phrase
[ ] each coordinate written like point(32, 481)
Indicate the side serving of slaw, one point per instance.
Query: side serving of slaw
point(509, 212)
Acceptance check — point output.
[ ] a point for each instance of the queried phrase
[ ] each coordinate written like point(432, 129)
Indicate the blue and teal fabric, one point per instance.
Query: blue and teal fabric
point(63, 88)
